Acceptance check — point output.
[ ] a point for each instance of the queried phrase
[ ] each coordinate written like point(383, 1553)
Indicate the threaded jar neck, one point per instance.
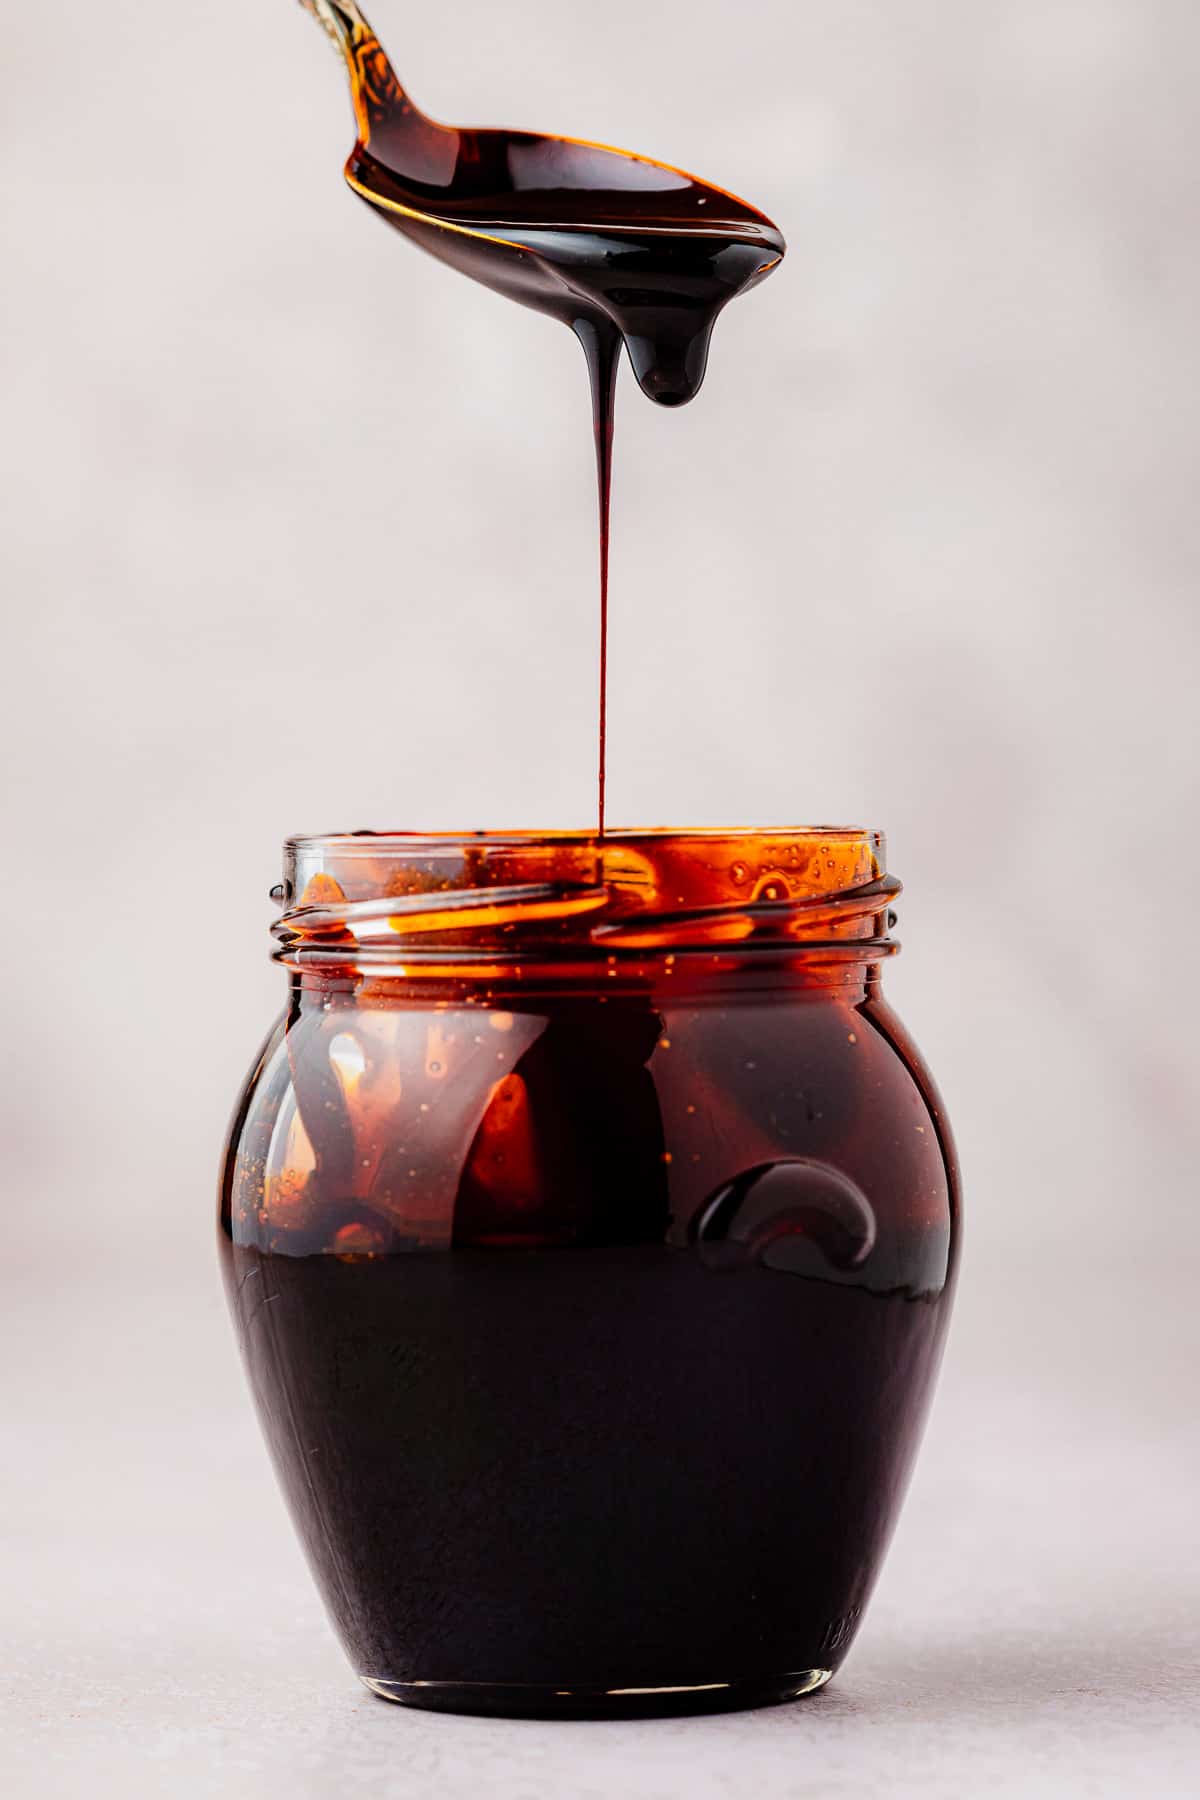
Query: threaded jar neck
point(397, 905)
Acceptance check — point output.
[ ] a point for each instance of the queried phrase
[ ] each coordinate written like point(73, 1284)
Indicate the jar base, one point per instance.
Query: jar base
point(530, 1700)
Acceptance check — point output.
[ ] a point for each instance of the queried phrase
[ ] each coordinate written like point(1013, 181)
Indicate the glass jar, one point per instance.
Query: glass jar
point(589, 1224)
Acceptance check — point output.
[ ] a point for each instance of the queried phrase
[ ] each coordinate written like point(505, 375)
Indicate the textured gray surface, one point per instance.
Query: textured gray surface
point(924, 554)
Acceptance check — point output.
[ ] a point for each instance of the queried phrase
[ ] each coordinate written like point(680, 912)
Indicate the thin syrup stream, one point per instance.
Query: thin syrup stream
point(602, 349)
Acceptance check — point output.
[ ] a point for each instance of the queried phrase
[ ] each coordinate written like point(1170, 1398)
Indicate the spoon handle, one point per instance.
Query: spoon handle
point(377, 93)
point(341, 19)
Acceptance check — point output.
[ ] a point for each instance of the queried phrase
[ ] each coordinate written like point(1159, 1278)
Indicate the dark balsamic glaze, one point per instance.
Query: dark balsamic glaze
point(592, 1330)
point(583, 1471)
point(623, 249)
point(556, 1438)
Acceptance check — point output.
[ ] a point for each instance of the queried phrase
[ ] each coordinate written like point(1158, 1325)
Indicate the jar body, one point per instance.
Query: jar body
point(592, 1331)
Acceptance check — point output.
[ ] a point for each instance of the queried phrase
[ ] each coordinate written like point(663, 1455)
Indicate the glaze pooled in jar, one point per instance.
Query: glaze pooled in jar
point(589, 1222)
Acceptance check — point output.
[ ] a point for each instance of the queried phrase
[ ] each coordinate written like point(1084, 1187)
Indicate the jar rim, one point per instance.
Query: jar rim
point(371, 843)
point(395, 902)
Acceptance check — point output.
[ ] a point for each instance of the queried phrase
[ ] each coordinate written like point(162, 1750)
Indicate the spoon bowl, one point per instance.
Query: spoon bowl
point(597, 237)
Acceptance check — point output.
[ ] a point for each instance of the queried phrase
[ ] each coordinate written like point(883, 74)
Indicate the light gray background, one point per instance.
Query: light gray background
point(298, 535)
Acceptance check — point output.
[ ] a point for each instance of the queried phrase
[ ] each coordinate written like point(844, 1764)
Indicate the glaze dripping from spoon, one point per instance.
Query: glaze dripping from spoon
point(621, 248)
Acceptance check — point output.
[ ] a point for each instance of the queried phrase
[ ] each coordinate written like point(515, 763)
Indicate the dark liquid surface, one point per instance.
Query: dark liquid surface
point(620, 248)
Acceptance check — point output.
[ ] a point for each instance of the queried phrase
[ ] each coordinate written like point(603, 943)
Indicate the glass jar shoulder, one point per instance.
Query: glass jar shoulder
point(369, 1127)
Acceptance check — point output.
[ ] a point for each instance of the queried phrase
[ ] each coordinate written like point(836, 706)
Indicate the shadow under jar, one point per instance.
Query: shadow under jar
point(589, 1226)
